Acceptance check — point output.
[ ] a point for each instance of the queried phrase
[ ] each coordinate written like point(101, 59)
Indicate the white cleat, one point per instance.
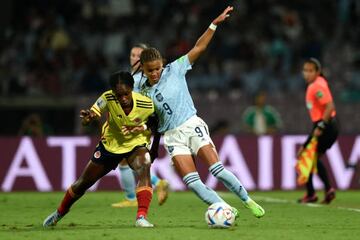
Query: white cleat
point(52, 219)
point(143, 223)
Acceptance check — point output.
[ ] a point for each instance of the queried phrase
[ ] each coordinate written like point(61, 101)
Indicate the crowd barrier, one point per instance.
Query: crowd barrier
point(261, 163)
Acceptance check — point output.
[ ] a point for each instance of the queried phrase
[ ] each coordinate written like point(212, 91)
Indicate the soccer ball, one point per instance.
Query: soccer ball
point(219, 215)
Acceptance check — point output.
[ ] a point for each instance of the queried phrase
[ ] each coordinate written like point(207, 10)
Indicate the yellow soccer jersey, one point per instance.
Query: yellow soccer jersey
point(112, 137)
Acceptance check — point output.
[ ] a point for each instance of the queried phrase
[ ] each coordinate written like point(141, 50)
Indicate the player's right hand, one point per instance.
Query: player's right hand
point(224, 15)
point(132, 129)
point(87, 115)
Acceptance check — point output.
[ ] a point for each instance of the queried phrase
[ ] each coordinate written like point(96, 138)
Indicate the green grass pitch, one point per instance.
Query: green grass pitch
point(181, 217)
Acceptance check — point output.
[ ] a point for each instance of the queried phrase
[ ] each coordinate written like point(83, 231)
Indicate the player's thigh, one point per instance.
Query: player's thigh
point(208, 154)
point(199, 136)
point(184, 164)
point(327, 139)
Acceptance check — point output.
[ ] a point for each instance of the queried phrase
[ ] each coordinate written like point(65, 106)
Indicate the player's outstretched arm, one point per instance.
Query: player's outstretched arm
point(204, 40)
point(87, 116)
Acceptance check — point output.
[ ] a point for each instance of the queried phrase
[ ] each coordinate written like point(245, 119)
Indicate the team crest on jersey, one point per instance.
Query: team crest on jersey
point(97, 154)
point(159, 97)
point(170, 149)
point(137, 120)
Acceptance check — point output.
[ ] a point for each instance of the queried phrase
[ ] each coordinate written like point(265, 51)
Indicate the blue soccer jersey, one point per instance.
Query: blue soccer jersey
point(173, 102)
point(137, 81)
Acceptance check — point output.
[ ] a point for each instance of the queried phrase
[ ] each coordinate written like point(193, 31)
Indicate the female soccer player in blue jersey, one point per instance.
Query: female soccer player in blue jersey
point(123, 108)
point(127, 177)
point(184, 132)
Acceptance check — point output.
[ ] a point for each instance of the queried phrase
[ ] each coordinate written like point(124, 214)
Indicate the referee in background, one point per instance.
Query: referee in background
point(320, 105)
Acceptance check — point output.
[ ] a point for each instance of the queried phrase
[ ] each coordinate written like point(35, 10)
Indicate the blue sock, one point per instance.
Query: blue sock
point(229, 180)
point(127, 180)
point(154, 179)
point(206, 194)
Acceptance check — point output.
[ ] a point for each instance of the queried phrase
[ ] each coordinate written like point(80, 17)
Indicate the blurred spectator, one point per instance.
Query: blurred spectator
point(65, 48)
point(33, 126)
point(275, 37)
point(261, 118)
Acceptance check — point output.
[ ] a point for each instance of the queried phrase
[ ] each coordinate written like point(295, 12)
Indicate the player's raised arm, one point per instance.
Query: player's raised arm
point(203, 41)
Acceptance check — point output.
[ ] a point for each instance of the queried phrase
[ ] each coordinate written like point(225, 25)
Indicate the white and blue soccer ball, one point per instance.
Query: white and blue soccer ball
point(220, 215)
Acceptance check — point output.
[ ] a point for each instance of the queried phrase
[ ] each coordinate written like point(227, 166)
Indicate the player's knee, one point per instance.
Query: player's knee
point(147, 160)
point(141, 166)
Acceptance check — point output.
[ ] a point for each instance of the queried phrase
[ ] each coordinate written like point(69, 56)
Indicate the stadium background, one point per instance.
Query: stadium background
point(55, 57)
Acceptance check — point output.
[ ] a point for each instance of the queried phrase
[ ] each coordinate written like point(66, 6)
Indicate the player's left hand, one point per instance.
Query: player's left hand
point(131, 129)
point(224, 15)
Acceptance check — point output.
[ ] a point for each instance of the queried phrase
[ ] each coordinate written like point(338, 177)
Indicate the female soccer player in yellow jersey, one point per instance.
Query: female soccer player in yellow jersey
point(127, 177)
point(124, 108)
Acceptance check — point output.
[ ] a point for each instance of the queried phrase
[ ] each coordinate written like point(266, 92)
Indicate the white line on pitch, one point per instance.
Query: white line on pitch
point(278, 200)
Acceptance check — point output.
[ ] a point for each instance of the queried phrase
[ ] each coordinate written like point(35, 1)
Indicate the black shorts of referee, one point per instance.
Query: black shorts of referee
point(328, 136)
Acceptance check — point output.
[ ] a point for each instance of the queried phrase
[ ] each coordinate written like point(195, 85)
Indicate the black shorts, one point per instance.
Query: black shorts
point(328, 137)
point(109, 159)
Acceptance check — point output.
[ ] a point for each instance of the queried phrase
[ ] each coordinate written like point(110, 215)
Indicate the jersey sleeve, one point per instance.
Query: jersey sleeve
point(323, 95)
point(100, 106)
point(181, 65)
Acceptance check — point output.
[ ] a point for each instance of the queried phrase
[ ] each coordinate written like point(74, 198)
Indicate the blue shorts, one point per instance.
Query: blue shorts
point(108, 159)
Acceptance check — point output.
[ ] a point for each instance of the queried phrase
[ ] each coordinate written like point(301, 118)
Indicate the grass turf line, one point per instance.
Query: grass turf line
point(181, 217)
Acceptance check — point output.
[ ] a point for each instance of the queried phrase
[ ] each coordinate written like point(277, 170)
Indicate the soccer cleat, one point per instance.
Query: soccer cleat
point(255, 208)
point(329, 196)
point(125, 203)
point(235, 212)
point(162, 191)
point(52, 219)
point(308, 199)
point(142, 222)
